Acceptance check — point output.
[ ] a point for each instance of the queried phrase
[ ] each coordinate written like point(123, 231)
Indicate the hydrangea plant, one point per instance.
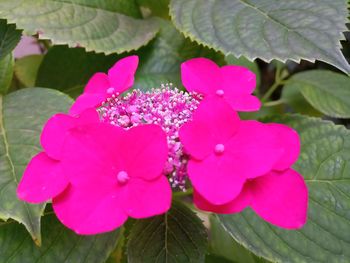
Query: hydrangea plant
point(174, 131)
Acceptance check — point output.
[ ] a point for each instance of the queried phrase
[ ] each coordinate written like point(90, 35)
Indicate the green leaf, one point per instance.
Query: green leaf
point(325, 164)
point(9, 37)
point(155, 7)
point(160, 61)
point(69, 69)
point(22, 116)
point(325, 90)
point(80, 23)
point(177, 236)
point(211, 258)
point(26, 69)
point(293, 98)
point(126, 7)
point(221, 243)
point(59, 244)
point(6, 72)
point(270, 29)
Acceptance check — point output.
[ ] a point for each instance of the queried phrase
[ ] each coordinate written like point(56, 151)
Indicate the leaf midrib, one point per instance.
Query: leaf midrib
point(8, 157)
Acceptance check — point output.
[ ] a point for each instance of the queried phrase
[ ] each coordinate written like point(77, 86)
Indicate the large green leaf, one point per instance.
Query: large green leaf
point(221, 243)
point(6, 72)
point(80, 23)
point(325, 90)
point(267, 29)
point(22, 116)
point(9, 37)
point(177, 236)
point(160, 61)
point(59, 244)
point(69, 69)
point(325, 164)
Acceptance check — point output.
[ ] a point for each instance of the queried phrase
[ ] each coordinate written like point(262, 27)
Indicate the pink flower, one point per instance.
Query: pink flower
point(169, 108)
point(98, 174)
point(43, 178)
point(234, 84)
point(229, 156)
point(113, 174)
point(102, 86)
point(278, 197)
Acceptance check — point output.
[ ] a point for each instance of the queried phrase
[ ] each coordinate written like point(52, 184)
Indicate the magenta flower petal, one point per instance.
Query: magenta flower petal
point(57, 127)
point(233, 84)
point(214, 122)
point(98, 84)
point(42, 180)
point(237, 80)
point(92, 210)
point(215, 179)
point(200, 75)
point(145, 151)
point(245, 103)
point(235, 206)
point(101, 86)
point(281, 198)
point(289, 140)
point(86, 101)
point(146, 198)
point(121, 75)
point(253, 149)
point(91, 156)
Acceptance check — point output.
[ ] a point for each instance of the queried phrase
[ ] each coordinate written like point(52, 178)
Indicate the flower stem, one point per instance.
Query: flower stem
point(280, 79)
point(181, 194)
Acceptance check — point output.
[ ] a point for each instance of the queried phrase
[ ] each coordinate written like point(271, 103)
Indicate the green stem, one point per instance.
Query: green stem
point(181, 194)
point(279, 80)
point(274, 103)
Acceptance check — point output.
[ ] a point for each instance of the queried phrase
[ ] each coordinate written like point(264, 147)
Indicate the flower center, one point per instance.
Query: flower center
point(219, 149)
point(123, 177)
point(220, 92)
point(110, 90)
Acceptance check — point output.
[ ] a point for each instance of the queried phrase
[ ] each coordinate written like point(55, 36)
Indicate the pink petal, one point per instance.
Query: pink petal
point(57, 127)
point(92, 156)
point(200, 75)
point(146, 198)
point(253, 149)
point(215, 179)
point(281, 198)
point(145, 151)
point(237, 80)
point(214, 122)
point(88, 211)
point(121, 75)
point(288, 139)
point(235, 206)
point(86, 101)
point(54, 133)
point(42, 180)
point(244, 102)
point(98, 84)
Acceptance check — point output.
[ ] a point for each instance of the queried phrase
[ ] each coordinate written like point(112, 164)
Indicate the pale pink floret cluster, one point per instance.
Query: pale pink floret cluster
point(111, 157)
point(168, 107)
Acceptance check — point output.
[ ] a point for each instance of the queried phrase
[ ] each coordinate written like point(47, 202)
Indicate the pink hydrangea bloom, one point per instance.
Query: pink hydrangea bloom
point(233, 84)
point(169, 108)
point(98, 174)
point(113, 173)
point(102, 86)
point(229, 156)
